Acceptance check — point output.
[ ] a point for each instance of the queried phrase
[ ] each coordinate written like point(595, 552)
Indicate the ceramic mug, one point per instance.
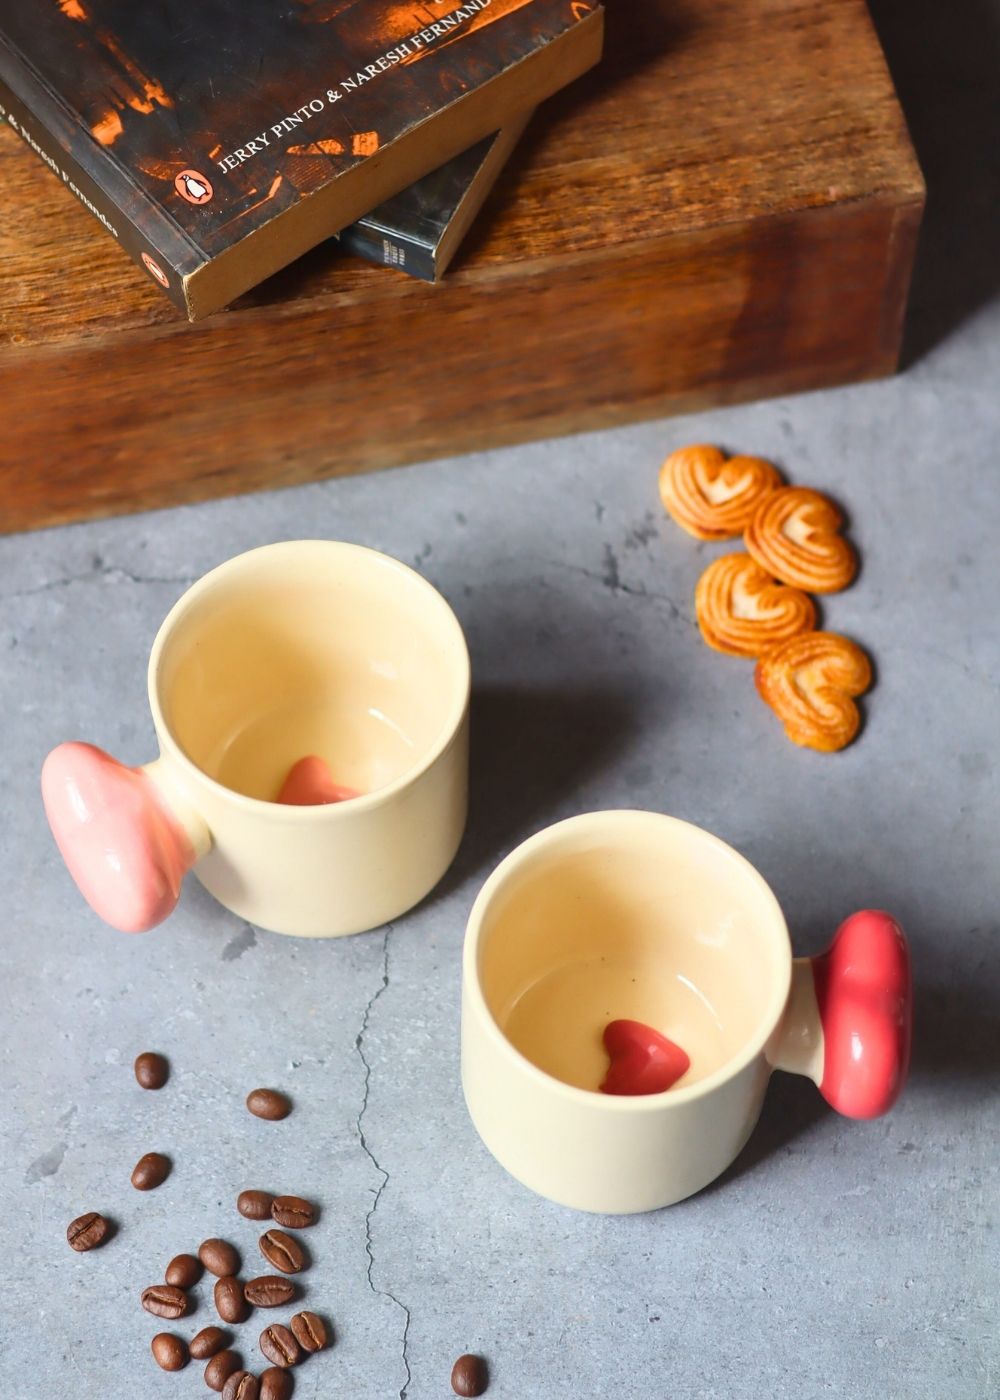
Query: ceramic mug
point(309, 650)
point(642, 917)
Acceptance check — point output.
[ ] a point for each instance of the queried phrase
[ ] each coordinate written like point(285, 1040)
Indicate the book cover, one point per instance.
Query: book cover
point(219, 140)
point(419, 230)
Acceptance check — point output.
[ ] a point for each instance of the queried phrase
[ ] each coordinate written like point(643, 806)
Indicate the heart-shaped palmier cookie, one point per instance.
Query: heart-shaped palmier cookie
point(743, 612)
point(794, 536)
point(809, 682)
point(713, 497)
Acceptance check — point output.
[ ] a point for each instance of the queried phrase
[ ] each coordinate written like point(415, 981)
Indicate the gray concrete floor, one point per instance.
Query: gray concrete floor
point(843, 1259)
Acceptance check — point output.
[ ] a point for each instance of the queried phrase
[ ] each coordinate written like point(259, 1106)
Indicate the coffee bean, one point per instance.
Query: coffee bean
point(219, 1258)
point(278, 1344)
point(241, 1385)
point(164, 1300)
point(150, 1171)
point(268, 1103)
point(151, 1070)
point(282, 1252)
point(207, 1342)
point(184, 1271)
point(169, 1352)
point(309, 1330)
point(230, 1303)
point(469, 1375)
point(87, 1231)
point(293, 1212)
point(254, 1205)
point(276, 1384)
point(269, 1292)
point(222, 1365)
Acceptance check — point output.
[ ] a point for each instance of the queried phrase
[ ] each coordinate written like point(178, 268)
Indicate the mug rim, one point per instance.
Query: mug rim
point(621, 1103)
point(365, 801)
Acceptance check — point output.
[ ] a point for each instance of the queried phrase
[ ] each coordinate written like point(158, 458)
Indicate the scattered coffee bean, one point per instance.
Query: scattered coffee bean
point(183, 1271)
point(169, 1352)
point(269, 1292)
point(151, 1070)
point(164, 1300)
point(278, 1344)
point(230, 1303)
point(469, 1376)
point(207, 1342)
point(293, 1212)
point(282, 1252)
point(269, 1104)
point(309, 1331)
point(219, 1258)
point(276, 1384)
point(241, 1385)
point(254, 1205)
point(222, 1365)
point(150, 1171)
point(87, 1232)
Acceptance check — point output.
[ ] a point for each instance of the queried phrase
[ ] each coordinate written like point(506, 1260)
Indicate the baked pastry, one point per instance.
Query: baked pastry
point(810, 682)
point(793, 534)
point(710, 496)
point(743, 612)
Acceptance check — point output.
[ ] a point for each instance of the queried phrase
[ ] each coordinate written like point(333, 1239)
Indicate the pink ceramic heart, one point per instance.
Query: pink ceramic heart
point(310, 784)
point(864, 995)
point(642, 1060)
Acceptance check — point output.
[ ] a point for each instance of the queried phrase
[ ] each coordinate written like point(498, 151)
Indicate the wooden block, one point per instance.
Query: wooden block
point(727, 209)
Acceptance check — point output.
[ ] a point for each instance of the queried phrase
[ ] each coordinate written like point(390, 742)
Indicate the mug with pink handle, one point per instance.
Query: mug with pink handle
point(310, 700)
point(628, 989)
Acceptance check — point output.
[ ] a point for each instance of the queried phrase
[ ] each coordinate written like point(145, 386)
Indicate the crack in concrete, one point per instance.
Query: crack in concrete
point(369, 1249)
point(610, 578)
point(107, 571)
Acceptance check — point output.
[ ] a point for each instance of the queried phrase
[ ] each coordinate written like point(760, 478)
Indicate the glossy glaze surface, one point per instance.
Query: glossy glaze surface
point(124, 848)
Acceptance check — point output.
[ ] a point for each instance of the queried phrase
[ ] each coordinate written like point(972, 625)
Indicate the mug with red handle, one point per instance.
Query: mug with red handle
point(628, 989)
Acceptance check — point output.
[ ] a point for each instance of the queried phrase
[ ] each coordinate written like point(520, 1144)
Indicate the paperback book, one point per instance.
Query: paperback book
point(419, 230)
point(219, 140)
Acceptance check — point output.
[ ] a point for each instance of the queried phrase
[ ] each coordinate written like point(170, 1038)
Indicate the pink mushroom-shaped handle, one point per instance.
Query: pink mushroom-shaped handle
point(126, 849)
point(850, 1017)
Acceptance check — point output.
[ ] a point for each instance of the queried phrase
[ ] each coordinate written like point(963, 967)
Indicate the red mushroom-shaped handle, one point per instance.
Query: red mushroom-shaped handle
point(123, 845)
point(850, 1015)
point(865, 998)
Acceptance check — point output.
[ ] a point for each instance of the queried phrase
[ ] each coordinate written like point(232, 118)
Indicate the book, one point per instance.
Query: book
point(419, 230)
point(218, 140)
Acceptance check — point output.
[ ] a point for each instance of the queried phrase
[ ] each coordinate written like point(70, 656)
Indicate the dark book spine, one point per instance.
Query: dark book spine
point(94, 199)
point(376, 246)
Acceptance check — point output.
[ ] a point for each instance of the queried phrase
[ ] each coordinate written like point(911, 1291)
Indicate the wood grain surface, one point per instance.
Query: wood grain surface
point(727, 209)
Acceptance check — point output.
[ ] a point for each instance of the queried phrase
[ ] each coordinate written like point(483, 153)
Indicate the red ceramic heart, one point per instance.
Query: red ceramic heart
point(642, 1060)
point(310, 784)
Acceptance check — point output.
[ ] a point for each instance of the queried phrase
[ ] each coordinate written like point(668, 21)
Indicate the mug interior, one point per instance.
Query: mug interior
point(631, 915)
point(310, 648)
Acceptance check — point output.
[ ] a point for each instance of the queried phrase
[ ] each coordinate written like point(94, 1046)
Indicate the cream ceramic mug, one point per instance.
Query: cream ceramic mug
point(646, 921)
point(309, 657)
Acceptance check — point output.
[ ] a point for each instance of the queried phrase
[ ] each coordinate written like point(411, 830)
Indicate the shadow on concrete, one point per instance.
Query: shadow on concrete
point(792, 1108)
point(945, 61)
point(956, 1031)
point(531, 747)
point(956, 1036)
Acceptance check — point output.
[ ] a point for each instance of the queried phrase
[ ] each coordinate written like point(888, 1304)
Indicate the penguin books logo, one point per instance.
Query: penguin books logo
point(194, 187)
point(153, 267)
